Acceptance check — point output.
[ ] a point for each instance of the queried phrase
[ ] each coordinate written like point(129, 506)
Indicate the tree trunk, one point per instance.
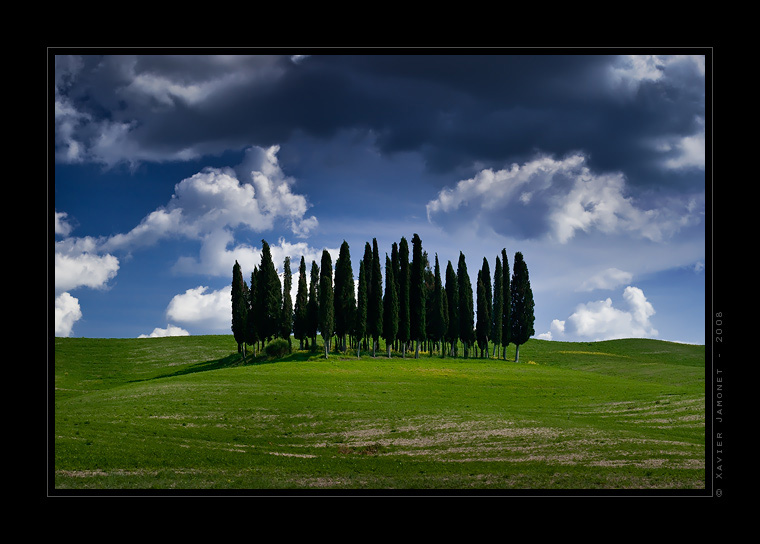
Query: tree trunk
point(517, 353)
point(417, 349)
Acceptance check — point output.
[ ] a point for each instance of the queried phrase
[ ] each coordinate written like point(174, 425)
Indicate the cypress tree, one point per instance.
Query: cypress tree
point(312, 317)
point(506, 309)
point(286, 313)
point(498, 305)
point(438, 314)
point(302, 301)
point(482, 323)
point(251, 324)
point(345, 299)
point(445, 316)
point(452, 299)
point(360, 327)
point(367, 259)
point(404, 331)
point(375, 301)
point(390, 306)
point(417, 323)
point(466, 313)
point(239, 306)
point(395, 266)
point(428, 281)
point(269, 296)
point(326, 304)
point(488, 292)
point(522, 305)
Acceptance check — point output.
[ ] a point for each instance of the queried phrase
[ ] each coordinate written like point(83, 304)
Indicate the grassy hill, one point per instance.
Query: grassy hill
point(188, 413)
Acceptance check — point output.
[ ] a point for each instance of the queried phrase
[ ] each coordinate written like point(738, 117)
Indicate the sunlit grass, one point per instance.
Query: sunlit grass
point(189, 413)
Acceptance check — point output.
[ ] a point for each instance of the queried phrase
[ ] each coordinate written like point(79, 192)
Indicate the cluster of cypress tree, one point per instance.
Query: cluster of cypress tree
point(414, 304)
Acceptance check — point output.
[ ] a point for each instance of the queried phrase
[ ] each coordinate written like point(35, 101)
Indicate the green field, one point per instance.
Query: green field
point(188, 413)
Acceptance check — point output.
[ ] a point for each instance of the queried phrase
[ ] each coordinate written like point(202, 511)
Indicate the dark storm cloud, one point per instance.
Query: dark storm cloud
point(456, 110)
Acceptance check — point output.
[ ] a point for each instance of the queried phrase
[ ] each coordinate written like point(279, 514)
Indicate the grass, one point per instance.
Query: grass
point(189, 413)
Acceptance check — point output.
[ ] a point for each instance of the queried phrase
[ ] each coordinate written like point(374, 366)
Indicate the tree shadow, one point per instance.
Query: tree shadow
point(230, 361)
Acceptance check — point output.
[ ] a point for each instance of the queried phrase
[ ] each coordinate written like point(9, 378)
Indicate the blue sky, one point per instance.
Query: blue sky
point(169, 168)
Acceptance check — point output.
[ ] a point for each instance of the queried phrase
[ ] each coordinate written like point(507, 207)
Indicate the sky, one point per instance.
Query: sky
point(170, 167)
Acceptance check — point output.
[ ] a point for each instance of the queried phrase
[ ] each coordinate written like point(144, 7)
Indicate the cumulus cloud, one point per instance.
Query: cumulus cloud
point(77, 263)
point(600, 320)
point(61, 225)
point(202, 308)
point(629, 72)
point(67, 312)
point(553, 198)
point(683, 152)
point(170, 330)
point(73, 269)
point(209, 205)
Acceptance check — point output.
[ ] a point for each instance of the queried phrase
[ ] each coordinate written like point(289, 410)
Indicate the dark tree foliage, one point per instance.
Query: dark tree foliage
point(428, 281)
point(345, 299)
point(413, 304)
point(326, 305)
point(312, 317)
point(486, 277)
point(252, 323)
point(375, 301)
point(438, 314)
point(269, 296)
point(466, 312)
point(239, 306)
point(404, 331)
point(395, 264)
point(482, 323)
point(286, 313)
point(360, 326)
point(452, 299)
point(367, 260)
point(498, 305)
point(522, 305)
point(506, 309)
point(301, 305)
point(390, 306)
point(417, 323)
point(368, 268)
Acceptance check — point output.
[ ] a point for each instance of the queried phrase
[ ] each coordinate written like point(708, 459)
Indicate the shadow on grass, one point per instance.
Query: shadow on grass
point(234, 360)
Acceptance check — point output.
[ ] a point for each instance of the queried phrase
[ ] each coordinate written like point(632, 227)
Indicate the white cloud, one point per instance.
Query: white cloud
point(557, 199)
point(197, 307)
point(629, 72)
point(607, 279)
point(557, 327)
point(685, 151)
point(76, 267)
point(209, 205)
point(62, 227)
point(76, 264)
point(600, 320)
point(67, 312)
point(170, 330)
